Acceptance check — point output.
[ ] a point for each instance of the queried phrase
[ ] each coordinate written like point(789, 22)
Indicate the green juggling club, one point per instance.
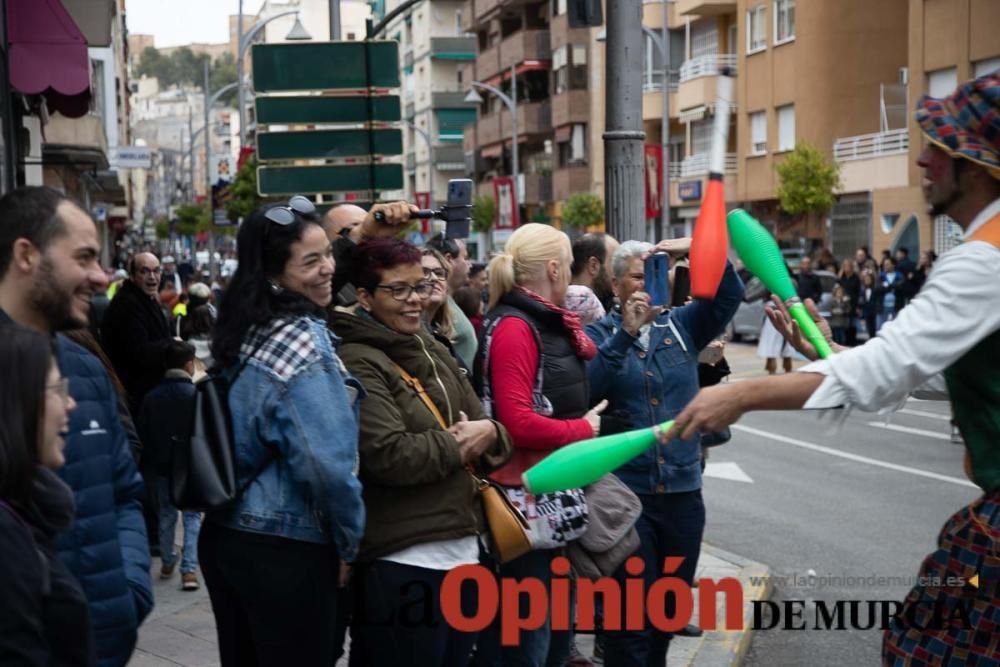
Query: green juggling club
point(760, 254)
point(587, 461)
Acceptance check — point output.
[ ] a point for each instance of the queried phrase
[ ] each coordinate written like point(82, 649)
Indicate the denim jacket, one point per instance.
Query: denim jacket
point(654, 384)
point(295, 423)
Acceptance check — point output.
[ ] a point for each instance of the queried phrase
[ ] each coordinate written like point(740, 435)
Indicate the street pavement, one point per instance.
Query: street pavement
point(849, 503)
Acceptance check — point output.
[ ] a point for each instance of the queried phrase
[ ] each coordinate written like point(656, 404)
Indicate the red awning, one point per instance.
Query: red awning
point(48, 55)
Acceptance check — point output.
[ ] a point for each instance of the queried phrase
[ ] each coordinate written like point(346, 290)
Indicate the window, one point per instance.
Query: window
point(558, 7)
point(350, 37)
point(458, 22)
point(784, 21)
point(756, 29)
point(786, 127)
point(572, 142)
point(704, 39)
point(758, 133)
point(569, 67)
point(942, 82)
point(988, 66)
point(701, 136)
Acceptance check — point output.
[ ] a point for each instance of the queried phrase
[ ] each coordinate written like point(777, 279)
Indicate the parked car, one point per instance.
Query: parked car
point(749, 318)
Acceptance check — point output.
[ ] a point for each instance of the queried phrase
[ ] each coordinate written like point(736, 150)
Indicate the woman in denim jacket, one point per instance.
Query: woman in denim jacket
point(271, 559)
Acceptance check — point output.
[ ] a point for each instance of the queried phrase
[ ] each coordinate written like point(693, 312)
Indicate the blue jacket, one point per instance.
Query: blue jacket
point(655, 384)
point(106, 548)
point(295, 423)
point(157, 421)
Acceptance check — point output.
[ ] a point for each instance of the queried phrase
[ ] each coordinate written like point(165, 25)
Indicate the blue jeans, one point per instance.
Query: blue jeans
point(533, 648)
point(168, 526)
point(671, 524)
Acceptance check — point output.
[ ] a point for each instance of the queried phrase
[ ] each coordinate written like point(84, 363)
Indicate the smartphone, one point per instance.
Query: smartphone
point(459, 208)
point(681, 287)
point(657, 279)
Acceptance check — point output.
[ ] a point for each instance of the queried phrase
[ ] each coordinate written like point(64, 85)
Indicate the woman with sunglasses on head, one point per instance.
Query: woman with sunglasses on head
point(421, 427)
point(437, 311)
point(271, 559)
point(44, 618)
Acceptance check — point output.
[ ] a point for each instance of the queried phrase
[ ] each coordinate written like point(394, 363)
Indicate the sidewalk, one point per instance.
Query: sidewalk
point(181, 629)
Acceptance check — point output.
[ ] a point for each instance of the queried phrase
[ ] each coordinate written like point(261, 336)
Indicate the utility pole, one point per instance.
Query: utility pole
point(191, 150)
point(334, 20)
point(624, 136)
point(208, 179)
point(240, 100)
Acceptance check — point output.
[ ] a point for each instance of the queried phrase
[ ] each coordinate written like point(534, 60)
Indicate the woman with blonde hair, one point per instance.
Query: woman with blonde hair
point(531, 374)
point(437, 312)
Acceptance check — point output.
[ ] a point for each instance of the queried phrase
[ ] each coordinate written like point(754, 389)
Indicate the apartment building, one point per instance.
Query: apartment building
point(559, 75)
point(436, 57)
point(841, 76)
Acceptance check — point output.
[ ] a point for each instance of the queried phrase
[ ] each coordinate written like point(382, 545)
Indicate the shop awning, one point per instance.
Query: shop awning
point(48, 55)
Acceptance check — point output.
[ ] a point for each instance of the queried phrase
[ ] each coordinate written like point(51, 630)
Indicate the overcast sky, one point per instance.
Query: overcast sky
point(177, 22)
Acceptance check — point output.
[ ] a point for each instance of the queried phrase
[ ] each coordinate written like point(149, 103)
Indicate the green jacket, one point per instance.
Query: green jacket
point(416, 489)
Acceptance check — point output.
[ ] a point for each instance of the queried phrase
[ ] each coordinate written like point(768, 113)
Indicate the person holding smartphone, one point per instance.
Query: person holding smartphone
point(647, 366)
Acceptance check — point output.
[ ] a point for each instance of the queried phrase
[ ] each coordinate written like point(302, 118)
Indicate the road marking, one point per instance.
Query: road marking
point(854, 457)
point(924, 413)
point(726, 470)
point(910, 430)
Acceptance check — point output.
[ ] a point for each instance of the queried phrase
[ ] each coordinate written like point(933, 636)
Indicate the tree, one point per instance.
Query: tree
point(223, 73)
point(243, 197)
point(191, 219)
point(484, 213)
point(582, 210)
point(184, 66)
point(807, 181)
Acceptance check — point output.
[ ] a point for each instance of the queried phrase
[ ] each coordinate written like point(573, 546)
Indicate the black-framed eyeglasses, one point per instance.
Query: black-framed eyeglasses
point(144, 271)
point(285, 215)
point(436, 274)
point(403, 292)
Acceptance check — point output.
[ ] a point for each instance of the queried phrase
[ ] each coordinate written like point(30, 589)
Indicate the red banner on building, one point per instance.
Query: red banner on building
point(422, 200)
point(653, 171)
point(503, 192)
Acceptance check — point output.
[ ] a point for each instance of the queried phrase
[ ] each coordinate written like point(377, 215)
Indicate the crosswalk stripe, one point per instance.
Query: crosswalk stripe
point(852, 457)
point(924, 413)
point(911, 431)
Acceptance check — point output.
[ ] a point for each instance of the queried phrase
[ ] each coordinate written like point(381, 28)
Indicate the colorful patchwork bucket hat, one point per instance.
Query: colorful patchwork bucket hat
point(966, 124)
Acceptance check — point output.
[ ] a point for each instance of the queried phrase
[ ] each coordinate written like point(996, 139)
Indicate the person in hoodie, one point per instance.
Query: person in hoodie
point(43, 618)
point(421, 427)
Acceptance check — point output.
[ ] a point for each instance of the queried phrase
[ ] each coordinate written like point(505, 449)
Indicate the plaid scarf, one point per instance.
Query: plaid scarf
point(582, 345)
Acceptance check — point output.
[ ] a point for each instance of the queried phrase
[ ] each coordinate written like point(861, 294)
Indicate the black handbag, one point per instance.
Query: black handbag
point(203, 465)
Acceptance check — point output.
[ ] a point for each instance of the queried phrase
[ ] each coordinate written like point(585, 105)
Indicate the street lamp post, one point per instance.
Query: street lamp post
point(425, 135)
point(511, 103)
point(210, 100)
point(296, 33)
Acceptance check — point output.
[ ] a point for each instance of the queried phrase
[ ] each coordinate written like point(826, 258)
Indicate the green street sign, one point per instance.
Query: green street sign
point(318, 144)
point(325, 66)
point(272, 180)
point(313, 110)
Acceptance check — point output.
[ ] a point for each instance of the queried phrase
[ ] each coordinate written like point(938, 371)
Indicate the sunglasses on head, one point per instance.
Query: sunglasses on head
point(285, 215)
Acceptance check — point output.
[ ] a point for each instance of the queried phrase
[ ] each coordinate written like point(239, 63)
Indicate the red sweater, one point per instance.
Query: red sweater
point(513, 368)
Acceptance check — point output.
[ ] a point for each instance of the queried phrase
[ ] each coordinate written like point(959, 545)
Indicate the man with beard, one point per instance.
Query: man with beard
point(135, 332)
point(49, 271)
point(592, 255)
point(945, 344)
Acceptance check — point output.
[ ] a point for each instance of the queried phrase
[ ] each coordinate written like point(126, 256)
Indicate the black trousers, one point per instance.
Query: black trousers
point(274, 599)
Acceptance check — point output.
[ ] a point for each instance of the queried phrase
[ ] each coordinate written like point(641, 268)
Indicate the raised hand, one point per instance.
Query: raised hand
point(637, 312)
point(397, 219)
point(777, 313)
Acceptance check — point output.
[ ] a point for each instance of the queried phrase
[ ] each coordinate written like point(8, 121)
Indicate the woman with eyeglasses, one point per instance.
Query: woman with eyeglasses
point(421, 427)
point(271, 559)
point(437, 312)
point(44, 618)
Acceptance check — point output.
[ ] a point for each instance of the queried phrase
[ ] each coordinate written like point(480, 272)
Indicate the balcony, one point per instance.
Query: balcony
point(652, 95)
point(451, 100)
point(532, 118)
point(561, 34)
point(453, 48)
point(537, 188)
point(524, 45)
point(486, 7)
point(571, 106)
point(706, 7)
point(570, 180)
point(488, 129)
point(697, 165)
point(873, 161)
point(449, 157)
point(82, 139)
point(488, 62)
point(698, 85)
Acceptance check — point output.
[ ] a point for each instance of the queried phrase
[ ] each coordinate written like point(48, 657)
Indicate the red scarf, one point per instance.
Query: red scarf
point(582, 345)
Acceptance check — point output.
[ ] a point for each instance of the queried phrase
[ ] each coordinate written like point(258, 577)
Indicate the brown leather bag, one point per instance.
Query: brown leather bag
point(507, 525)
